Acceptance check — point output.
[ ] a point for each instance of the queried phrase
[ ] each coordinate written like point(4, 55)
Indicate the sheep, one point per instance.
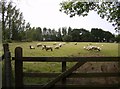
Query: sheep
point(92, 48)
point(96, 48)
point(60, 44)
point(75, 43)
point(32, 47)
point(47, 48)
point(88, 47)
point(56, 47)
point(55, 43)
point(39, 45)
point(43, 46)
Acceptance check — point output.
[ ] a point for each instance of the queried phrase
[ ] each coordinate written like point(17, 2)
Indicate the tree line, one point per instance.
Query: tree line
point(68, 35)
point(14, 27)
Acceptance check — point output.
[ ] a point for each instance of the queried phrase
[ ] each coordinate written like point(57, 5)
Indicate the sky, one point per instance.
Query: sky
point(45, 13)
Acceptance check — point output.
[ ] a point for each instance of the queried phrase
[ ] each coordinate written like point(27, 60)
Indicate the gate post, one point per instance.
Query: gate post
point(63, 70)
point(18, 68)
point(8, 70)
point(7, 67)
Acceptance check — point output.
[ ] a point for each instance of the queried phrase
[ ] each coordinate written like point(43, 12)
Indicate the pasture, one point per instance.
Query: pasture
point(67, 50)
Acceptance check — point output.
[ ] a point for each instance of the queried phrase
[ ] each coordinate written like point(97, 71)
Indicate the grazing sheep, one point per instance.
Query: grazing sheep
point(96, 48)
point(88, 47)
point(43, 46)
point(92, 48)
point(75, 43)
point(47, 47)
point(32, 47)
point(39, 45)
point(60, 44)
point(55, 43)
point(56, 47)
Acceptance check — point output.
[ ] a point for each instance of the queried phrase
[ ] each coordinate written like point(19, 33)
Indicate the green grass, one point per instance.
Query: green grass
point(68, 50)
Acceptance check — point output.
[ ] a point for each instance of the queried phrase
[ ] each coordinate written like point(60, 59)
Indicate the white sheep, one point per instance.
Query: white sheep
point(96, 48)
point(54, 43)
point(32, 47)
point(75, 43)
point(56, 47)
point(60, 44)
point(92, 48)
point(47, 47)
point(43, 47)
point(39, 45)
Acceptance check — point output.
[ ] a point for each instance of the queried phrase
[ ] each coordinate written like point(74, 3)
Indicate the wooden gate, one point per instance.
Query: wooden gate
point(19, 74)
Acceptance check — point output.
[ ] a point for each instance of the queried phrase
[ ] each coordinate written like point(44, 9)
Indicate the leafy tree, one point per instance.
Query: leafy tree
point(28, 32)
point(75, 35)
point(12, 21)
point(100, 36)
point(67, 38)
point(53, 35)
point(85, 35)
point(38, 34)
point(64, 31)
point(108, 36)
point(108, 10)
point(59, 36)
point(97, 34)
point(44, 31)
point(69, 31)
point(117, 38)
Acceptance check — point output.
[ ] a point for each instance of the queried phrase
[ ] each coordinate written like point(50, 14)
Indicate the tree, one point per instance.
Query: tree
point(12, 21)
point(67, 38)
point(39, 34)
point(85, 35)
point(109, 10)
point(3, 20)
point(98, 34)
point(75, 35)
point(69, 31)
point(59, 36)
point(117, 38)
point(108, 36)
point(53, 35)
point(64, 31)
point(101, 36)
point(28, 32)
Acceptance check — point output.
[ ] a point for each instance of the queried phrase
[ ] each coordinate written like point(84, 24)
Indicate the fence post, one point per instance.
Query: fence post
point(18, 68)
point(63, 70)
point(8, 70)
point(5, 47)
point(7, 67)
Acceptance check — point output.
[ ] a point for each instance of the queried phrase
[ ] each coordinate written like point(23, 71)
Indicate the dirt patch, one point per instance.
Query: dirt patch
point(95, 67)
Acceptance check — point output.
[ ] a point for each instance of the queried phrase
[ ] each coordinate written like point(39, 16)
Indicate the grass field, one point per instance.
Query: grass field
point(67, 50)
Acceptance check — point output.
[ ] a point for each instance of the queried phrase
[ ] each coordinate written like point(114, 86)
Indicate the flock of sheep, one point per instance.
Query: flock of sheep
point(58, 45)
point(92, 47)
point(46, 47)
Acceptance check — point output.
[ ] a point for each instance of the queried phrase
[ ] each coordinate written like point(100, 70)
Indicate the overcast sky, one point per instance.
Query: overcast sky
point(45, 13)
